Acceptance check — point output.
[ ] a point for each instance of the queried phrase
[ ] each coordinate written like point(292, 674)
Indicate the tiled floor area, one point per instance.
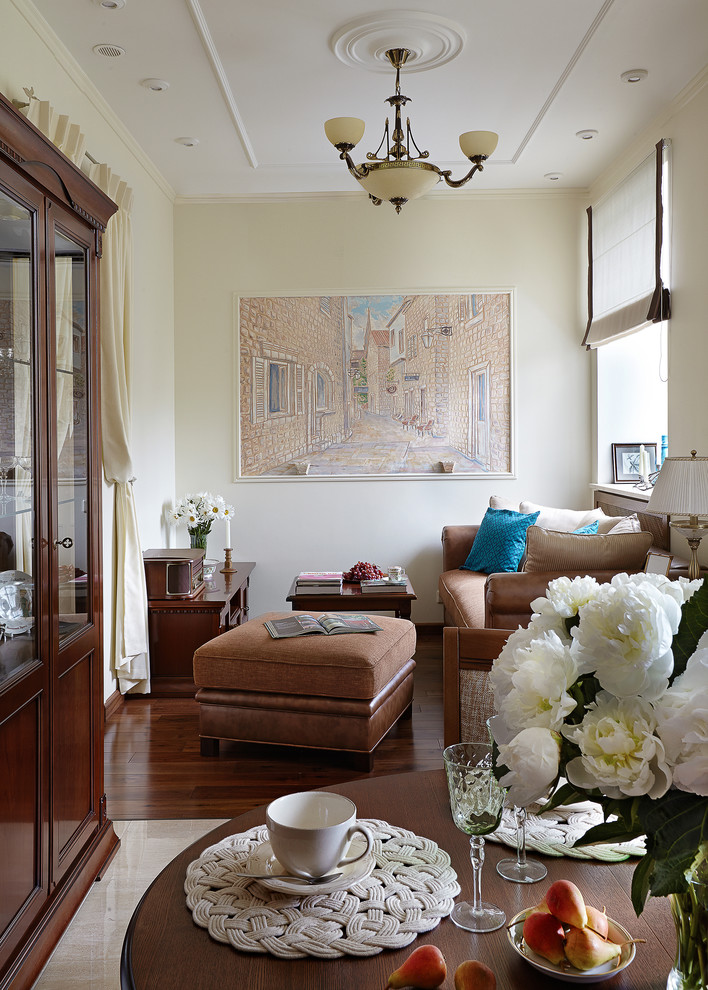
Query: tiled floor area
point(88, 955)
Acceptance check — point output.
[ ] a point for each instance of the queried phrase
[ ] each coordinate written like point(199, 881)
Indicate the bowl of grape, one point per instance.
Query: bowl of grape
point(362, 571)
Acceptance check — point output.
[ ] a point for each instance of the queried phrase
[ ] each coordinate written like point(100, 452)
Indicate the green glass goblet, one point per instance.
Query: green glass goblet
point(476, 802)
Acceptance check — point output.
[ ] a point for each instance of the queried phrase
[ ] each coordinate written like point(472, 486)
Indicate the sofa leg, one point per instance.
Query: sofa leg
point(363, 762)
point(208, 747)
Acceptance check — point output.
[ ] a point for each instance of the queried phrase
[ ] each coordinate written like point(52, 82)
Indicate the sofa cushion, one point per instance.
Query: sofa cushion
point(561, 520)
point(499, 544)
point(462, 594)
point(553, 551)
point(627, 524)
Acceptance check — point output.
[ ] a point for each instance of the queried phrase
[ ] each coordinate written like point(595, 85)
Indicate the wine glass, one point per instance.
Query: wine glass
point(521, 869)
point(476, 801)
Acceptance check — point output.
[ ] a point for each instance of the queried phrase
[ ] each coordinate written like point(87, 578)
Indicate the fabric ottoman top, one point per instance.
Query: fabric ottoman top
point(353, 665)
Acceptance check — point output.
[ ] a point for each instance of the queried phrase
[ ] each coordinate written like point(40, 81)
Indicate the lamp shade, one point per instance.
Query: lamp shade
point(404, 180)
point(344, 130)
point(681, 488)
point(482, 143)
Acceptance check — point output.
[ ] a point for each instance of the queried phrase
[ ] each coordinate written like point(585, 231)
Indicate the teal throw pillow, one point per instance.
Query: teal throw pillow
point(500, 541)
point(587, 530)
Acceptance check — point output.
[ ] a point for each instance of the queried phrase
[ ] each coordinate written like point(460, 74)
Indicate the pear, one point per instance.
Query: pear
point(597, 920)
point(424, 968)
point(545, 936)
point(474, 975)
point(566, 903)
point(584, 949)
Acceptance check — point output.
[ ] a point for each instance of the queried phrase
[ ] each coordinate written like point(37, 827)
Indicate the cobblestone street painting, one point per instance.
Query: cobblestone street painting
point(374, 385)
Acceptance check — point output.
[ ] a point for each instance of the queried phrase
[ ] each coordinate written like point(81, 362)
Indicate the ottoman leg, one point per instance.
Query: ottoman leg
point(361, 761)
point(208, 747)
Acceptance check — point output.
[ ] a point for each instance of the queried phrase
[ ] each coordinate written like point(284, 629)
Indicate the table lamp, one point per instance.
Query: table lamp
point(681, 489)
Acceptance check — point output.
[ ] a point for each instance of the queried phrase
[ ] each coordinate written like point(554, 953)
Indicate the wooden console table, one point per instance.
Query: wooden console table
point(178, 626)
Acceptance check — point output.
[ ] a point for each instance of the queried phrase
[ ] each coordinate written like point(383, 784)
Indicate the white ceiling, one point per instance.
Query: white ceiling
point(254, 81)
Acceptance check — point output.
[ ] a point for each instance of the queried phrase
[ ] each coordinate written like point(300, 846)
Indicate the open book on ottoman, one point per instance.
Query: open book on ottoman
point(331, 624)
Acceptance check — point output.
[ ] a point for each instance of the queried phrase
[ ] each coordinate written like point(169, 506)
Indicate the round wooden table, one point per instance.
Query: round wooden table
point(165, 950)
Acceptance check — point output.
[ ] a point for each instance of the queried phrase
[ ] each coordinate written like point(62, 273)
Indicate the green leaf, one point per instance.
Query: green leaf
point(641, 879)
point(694, 622)
point(675, 826)
point(616, 831)
point(566, 794)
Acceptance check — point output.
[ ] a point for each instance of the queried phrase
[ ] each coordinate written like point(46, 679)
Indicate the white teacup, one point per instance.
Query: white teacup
point(310, 832)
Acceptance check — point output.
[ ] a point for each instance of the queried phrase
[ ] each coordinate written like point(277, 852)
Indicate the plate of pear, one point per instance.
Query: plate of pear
point(567, 939)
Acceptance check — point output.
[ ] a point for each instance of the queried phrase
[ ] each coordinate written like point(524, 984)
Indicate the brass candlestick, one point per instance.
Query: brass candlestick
point(227, 568)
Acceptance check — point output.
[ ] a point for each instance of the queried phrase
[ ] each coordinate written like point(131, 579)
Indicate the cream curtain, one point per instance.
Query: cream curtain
point(130, 616)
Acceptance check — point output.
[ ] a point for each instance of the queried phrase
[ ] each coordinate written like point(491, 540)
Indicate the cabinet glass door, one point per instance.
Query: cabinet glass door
point(17, 493)
point(71, 528)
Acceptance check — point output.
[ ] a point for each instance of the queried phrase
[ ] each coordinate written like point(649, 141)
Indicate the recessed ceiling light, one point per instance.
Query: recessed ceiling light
point(188, 142)
point(156, 85)
point(553, 176)
point(586, 135)
point(107, 50)
point(110, 4)
point(634, 75)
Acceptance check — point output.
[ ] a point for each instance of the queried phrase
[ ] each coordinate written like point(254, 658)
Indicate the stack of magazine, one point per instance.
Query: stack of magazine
point(377, 585)
point(319, 583)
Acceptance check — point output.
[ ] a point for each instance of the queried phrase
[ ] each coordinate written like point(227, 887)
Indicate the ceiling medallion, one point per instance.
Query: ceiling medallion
point(397, 171)
point(431, 40)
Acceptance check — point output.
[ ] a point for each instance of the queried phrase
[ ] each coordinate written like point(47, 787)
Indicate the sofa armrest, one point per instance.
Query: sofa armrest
point(508, 596)
point(468, 655)
point(456, 544)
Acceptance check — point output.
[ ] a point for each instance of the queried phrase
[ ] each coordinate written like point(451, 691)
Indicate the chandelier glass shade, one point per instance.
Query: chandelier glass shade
point(402, 172)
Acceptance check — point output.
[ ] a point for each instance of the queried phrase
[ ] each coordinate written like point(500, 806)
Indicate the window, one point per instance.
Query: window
point(412, 343)
point(322, 392)
point(324, 305)
point(625, 240)
point(401, 342)
point(277, 388)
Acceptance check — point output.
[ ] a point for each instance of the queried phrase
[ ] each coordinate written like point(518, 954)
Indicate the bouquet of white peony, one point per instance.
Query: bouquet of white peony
point(605, 697)
point(199, 512)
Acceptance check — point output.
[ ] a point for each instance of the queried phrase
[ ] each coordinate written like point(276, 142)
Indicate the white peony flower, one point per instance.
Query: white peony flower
point(566, 596)
point(680, 590)
point(538, 695)
point(682, 715)
point(625, 637)
point(532, 758)
point(514, 652)
point(619, 752)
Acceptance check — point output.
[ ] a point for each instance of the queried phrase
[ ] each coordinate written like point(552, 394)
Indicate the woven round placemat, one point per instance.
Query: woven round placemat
point(410, 889)
point(554, 832)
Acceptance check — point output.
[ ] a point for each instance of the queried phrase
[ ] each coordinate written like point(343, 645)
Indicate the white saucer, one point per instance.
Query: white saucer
point(262, 860)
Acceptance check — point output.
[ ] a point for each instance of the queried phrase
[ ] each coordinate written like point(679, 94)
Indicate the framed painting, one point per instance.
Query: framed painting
point(369, 386)
point(626, 462)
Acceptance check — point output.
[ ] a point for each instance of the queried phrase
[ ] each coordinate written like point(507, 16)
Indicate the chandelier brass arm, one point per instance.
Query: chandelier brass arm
point(397, 170)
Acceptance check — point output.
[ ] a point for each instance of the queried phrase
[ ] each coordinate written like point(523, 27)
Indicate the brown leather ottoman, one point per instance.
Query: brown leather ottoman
point(323, 692)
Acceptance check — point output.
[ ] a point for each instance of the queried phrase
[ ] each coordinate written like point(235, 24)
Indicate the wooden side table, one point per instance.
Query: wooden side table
point(177, 627)
point(351, 599)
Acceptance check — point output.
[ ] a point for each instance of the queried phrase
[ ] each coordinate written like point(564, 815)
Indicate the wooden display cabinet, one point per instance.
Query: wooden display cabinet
point(55, 837)
point(178, 627)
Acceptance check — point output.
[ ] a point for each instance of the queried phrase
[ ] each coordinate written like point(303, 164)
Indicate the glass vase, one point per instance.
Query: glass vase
point(690, 914)
point(198, 540)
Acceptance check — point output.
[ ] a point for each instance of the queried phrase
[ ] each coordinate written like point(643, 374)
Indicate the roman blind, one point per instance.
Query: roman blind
point(625, 238)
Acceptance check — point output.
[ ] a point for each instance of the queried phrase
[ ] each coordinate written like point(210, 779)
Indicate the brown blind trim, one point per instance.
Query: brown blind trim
point(589, 323)
point(660, 305)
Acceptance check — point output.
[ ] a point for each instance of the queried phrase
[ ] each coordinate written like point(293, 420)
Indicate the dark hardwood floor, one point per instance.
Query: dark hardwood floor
point(154, 770)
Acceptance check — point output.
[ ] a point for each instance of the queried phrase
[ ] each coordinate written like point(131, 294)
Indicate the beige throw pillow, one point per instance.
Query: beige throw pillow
point(562, 520)
point(500, 502)
point(552, 551)
point(627, 524)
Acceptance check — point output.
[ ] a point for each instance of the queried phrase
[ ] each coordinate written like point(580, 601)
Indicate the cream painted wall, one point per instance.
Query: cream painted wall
point(31, 55)
point(528, 242)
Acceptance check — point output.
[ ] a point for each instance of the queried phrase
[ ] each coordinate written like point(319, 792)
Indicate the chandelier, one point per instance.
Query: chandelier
point(402, 172)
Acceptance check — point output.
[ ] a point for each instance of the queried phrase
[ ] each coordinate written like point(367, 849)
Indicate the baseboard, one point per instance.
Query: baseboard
point(112, 703)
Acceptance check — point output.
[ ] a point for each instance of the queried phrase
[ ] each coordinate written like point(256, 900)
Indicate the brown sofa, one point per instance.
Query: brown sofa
point(501, 601)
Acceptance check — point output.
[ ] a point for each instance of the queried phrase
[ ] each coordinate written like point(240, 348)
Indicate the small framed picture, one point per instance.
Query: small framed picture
point(625, 462)
point(658, 562)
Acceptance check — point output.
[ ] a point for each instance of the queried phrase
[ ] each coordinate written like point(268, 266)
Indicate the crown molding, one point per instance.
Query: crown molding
point(66, 61)
point(356, 195)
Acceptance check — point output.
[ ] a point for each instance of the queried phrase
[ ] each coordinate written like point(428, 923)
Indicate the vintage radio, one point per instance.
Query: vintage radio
point(174, 573)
